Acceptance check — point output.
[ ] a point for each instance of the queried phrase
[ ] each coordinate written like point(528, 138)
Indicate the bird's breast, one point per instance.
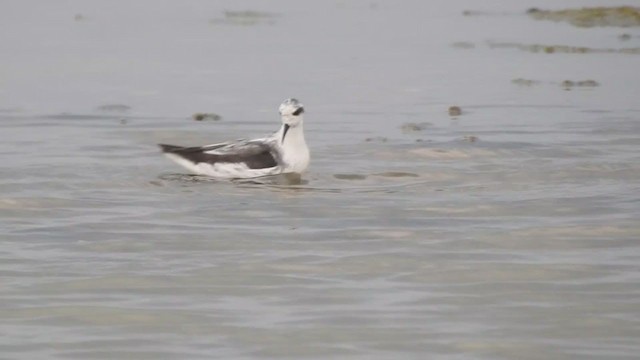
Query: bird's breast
point(296, 160)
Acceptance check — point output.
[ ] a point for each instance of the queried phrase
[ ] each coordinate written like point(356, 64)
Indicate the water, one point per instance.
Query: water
point(510, 231)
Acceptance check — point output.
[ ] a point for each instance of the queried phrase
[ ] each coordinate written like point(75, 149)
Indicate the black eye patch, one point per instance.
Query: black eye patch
point(298, 111)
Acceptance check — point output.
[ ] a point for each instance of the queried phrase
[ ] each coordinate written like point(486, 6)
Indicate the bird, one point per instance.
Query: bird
point(283, 152)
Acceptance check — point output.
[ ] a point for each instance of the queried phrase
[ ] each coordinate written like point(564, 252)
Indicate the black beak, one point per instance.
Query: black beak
point(298, 111)
point(284, 133)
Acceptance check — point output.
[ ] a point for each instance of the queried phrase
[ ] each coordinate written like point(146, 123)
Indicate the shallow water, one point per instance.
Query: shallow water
point(510, 231)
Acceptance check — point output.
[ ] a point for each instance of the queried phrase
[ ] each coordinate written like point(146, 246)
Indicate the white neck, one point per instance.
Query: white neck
point(295, 152)
point(294, 136)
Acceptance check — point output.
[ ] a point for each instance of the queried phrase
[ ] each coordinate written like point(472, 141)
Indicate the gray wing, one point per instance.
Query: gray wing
point(256, 154)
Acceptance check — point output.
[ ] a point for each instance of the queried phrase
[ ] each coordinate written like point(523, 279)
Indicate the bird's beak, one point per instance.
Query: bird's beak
point(284, 132)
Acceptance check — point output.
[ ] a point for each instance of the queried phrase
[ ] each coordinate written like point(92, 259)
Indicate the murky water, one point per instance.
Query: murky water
point(510, 231)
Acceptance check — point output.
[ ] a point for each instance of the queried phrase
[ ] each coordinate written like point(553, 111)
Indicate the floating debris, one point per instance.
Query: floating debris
point(414, 127)
point(455, 111)
point(524, 82)
point(470, 138)
point(623, 16)
point(583, 83)
point(206, 116)
point(114, 108)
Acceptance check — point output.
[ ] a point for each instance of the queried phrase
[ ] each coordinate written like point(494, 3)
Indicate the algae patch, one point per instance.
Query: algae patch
point(566, 49)
point(566, 84)
point(206, 116)
point(582, 83)
point(414, 127)
point(524, 82)
point(622, 16)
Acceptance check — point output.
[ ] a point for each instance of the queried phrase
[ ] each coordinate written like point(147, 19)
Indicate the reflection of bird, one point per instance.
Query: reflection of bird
point(285, 151)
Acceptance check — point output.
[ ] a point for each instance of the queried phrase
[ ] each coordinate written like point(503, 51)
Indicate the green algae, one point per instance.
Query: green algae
point(566, 49)
point(622, 16)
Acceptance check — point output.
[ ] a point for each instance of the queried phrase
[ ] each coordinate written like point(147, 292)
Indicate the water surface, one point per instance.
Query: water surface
point(510, 231)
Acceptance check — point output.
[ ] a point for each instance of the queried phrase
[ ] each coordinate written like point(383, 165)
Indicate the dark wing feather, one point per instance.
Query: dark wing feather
point(174, 148)
point(169, 148)
point(254, 155)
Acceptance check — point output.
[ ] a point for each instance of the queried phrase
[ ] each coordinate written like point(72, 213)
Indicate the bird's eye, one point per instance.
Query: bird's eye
point(298, 111)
